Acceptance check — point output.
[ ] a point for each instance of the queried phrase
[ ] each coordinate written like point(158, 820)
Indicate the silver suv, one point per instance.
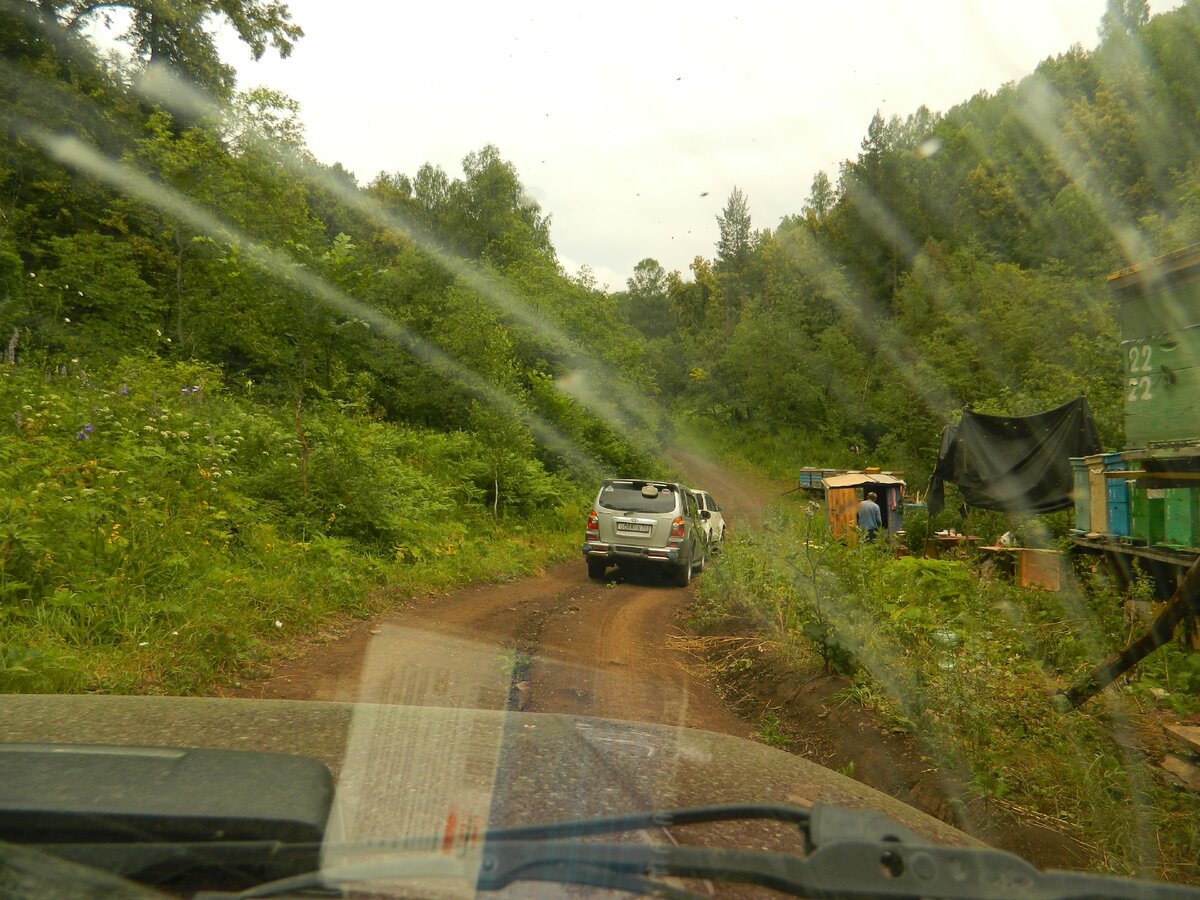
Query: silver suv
point(646, 523)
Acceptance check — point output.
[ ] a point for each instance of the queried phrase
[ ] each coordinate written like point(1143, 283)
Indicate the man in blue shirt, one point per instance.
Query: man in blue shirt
point(870, 518)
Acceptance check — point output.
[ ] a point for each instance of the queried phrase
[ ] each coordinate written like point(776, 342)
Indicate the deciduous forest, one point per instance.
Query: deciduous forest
point(959, 259)
point(215, 341)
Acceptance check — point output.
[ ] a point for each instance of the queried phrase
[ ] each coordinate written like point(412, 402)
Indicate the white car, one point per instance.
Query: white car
point(714, 522)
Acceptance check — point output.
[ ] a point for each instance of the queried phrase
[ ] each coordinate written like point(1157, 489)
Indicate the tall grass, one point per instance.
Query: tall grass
point(157, 534)
point(969, 666)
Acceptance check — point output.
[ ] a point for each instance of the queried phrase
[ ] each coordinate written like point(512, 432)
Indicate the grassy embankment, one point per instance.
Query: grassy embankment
point(159, 535)
point(969, 666)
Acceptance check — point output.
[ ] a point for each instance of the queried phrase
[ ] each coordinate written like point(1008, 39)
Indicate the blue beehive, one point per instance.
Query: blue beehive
point(1117, 495)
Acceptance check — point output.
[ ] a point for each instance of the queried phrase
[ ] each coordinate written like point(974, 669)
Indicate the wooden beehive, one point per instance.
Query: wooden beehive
point(1098, 504)
point(1160, 348)
point(1081, 494)
point(1116, 496)
point(1181, 518)
point(1040, 568)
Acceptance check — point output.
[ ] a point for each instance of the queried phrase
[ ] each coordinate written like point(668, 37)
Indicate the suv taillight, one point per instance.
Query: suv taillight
point(677, 528)
point(593, 526)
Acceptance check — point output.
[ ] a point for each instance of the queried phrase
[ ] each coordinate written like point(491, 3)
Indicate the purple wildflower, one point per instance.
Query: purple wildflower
point(88, 428)
point(124, 391)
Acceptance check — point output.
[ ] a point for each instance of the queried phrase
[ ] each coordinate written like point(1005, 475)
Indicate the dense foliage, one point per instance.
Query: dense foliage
point(227, 364)
point(958, 259)
point(159, 533)
point(967, 663)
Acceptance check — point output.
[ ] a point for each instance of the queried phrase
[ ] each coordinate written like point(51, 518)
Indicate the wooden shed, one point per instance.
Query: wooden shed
point(844, 492)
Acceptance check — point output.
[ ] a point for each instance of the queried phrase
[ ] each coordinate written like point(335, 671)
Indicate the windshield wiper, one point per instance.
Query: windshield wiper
point(850, 853)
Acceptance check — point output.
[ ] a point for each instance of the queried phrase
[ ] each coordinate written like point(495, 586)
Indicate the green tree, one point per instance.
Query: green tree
point(735, 234)
point(869, 226)
point(645, 304)
point(735, 264)
point(693, 300)
point(431, 190)
point(821, 198)
point(488, 213)
point(180, 33)
point(1123, 16)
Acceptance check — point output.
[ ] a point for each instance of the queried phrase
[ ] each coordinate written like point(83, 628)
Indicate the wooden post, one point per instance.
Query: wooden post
point(1184, 602)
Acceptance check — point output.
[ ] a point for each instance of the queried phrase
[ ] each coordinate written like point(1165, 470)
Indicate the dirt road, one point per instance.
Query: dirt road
point(555, 643)
point(563, 643)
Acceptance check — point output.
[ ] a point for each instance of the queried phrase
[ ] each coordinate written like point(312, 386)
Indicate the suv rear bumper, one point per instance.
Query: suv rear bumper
point(617, 553)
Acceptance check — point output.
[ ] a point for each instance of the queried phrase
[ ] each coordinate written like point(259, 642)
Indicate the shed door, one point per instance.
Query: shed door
point(842, 506)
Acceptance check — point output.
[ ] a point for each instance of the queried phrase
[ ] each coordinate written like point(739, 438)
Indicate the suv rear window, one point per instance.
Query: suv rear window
point(626, 496)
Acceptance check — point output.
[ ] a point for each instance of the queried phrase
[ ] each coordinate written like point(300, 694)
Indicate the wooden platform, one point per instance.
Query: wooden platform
point(1183, 764)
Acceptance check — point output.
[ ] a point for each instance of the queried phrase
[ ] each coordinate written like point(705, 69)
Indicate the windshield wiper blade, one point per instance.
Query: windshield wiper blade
point(850, 853)
point(845, 869)
point(666, 818)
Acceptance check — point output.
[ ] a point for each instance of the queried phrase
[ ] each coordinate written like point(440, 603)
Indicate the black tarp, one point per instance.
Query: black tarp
point(1018, 464)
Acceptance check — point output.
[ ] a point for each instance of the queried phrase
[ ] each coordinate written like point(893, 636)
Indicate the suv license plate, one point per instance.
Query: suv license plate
point(633, 527)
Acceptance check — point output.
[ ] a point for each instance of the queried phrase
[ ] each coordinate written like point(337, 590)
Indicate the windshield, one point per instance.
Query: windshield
point(347, 350)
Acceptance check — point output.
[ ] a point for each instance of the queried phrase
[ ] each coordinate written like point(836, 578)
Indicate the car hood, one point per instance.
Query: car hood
point(406, 771)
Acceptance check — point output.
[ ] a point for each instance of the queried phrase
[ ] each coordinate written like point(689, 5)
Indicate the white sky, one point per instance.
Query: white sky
point(630, 122)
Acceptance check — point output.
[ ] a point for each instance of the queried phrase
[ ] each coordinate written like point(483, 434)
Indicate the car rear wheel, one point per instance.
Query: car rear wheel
point(596, 568)
point(683, 574)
